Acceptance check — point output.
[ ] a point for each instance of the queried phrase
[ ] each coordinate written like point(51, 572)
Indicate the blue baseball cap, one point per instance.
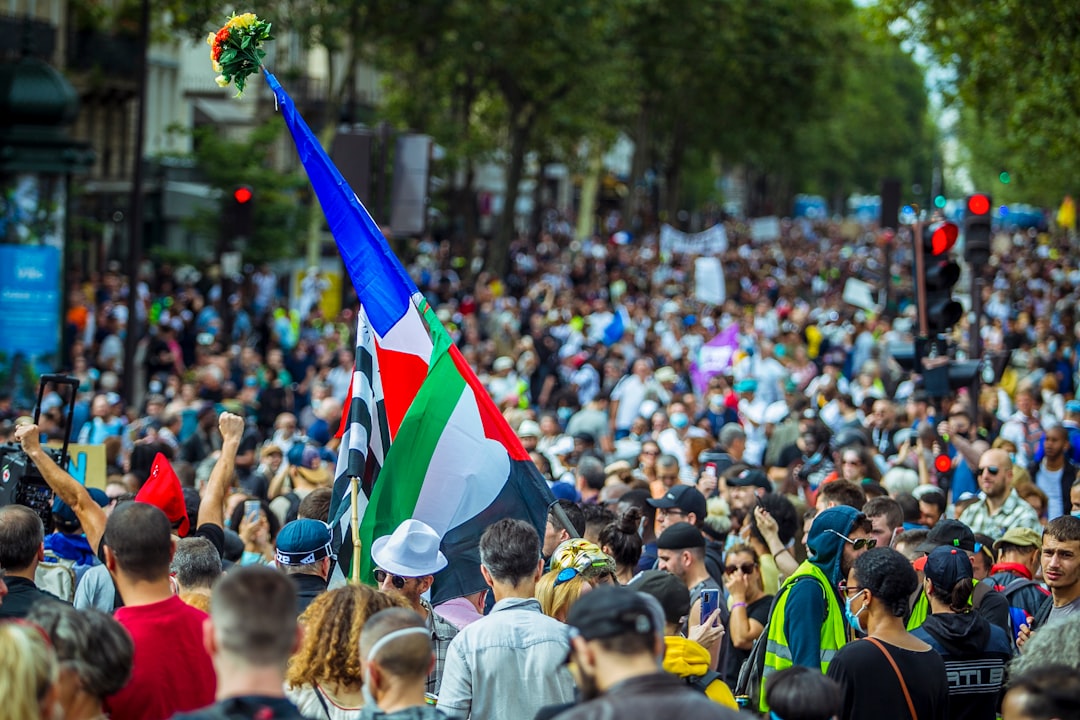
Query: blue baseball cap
point(65, 516)
point(303, 542)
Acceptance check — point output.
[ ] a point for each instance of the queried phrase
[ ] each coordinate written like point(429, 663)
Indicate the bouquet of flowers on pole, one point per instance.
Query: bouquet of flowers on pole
point(236, 49)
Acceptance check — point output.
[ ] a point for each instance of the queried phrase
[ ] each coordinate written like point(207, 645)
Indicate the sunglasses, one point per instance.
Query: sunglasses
point(396, 580)
point(992, 469)
point(860, 544)
point(745, 568)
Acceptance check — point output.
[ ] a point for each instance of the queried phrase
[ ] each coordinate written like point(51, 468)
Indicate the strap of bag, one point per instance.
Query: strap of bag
point(899, 676)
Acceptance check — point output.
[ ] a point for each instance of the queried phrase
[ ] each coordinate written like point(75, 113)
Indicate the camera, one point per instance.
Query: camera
point(21, 482)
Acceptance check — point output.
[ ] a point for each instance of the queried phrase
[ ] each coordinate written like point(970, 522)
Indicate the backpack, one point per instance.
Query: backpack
point(56, 575)
point(702, 682)
point(753, 669)
point(294, 506)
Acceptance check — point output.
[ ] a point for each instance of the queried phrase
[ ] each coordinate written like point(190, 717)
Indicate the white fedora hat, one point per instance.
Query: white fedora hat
point(411, 551)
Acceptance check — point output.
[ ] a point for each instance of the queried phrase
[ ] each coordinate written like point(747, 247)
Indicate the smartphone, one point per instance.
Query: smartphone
point(252, 511)
point(710, 470)
point(710, 601)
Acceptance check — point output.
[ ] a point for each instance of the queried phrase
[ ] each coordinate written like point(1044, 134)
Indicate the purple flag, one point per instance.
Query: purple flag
point(714, 357)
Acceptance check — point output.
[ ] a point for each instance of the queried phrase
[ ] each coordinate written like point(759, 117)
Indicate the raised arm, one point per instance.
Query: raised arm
point(71, 491)
point(211, 510)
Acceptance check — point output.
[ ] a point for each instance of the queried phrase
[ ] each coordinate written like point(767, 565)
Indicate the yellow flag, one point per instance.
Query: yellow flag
point(1066, 215)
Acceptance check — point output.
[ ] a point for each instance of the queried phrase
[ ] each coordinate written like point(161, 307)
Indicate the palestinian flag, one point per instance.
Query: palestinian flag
point(420, 429)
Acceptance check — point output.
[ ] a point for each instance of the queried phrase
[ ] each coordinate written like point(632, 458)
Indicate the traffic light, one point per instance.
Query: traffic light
point(940, 274)
point(977, 232)
point(240, 213)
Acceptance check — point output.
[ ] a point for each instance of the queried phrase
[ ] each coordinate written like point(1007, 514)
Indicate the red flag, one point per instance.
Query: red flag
point(162, 490)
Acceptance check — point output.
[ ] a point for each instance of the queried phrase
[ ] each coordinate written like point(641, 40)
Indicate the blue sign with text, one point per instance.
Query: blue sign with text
point(29, 300)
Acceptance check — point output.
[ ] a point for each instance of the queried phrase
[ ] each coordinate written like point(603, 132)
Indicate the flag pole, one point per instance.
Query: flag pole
point(354, 570)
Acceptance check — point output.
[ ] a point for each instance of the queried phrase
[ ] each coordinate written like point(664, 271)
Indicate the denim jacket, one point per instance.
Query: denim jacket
point(508, 664)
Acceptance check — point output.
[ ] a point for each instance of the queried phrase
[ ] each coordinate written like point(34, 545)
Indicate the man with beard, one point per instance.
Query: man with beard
point(617, 642)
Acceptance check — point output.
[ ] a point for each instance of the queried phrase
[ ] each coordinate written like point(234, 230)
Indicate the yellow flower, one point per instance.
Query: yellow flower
point(221, 81)
point(243, 21)
point(217, 66)
point(210, 39)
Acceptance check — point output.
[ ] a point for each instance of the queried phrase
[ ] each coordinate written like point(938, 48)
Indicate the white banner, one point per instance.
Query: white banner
point(765, 229)
point(860, 294)
point(709, 281)
point(708, 242)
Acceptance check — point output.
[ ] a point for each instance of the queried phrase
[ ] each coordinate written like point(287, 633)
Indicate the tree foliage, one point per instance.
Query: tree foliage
point(1017, 75)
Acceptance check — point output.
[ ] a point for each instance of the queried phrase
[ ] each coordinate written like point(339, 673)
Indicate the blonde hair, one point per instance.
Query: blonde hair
point(332, 623)
point(28, 670)
point(557, 599)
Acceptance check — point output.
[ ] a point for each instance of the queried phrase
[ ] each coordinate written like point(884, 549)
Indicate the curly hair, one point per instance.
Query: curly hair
point(332, 624)
point(888, 576)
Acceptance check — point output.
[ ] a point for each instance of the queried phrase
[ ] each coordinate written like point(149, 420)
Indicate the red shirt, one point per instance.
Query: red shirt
point(172, 671)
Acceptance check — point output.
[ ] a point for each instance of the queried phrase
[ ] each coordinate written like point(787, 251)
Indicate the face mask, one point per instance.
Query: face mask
point(853, 618)
point(564, 414)
point(1076, 515)
point(679, 420)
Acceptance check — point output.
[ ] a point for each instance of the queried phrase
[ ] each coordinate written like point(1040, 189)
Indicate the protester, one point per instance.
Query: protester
point(138, 548)
point(304, 553)
point(975, 652)
point(1018, 552)
point(397, 657)
point(806, 625)
point(28, 673)
point(1061, 572)
point(749, 608)
point(891, 668)
point(800, 693)
point(691, 658)
point(508, 663)
point(620, 540)
point(195, 567)
point(21, 549)
point(681, 549)
point(325, 678)
point(555, 534)
point(95, 655)
point(614, 647)
point(406, 562)
point(251, 633)
point(1051, 693)
point(1001, 507)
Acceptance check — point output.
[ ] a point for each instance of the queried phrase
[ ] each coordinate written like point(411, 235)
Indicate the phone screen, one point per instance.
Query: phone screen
point(252, 510)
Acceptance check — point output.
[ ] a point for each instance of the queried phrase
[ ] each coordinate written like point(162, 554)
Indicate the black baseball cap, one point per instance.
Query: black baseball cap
point(668, 590)
point(680, 536)
point(685, 497)
point(949, 532)
point(748, 477)
point(611, 611)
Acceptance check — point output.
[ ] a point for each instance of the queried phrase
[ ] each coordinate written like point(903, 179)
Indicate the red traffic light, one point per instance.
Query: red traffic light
point(242, 194)
point(943, 237)
point(978, 204)
point(943, 463)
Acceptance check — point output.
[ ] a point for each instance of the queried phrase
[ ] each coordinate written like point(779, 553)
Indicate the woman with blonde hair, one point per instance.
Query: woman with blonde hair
point(28, 672)
point(324, 676)
point(577, 566)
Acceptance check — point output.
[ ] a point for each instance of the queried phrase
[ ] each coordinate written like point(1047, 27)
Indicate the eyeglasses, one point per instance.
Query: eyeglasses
point(992, 469)
point(860, 544)
point(745, 568)
point(671, 511)
point(650, 452)
point(851, 461)
point(396, 580)
point(844, 588)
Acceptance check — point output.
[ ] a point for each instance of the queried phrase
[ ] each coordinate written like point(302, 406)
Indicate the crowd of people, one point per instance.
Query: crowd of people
point(803, 531)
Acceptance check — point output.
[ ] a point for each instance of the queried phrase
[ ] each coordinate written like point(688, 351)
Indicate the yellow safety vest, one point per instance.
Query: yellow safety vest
point(833, 630)
point(919, 611)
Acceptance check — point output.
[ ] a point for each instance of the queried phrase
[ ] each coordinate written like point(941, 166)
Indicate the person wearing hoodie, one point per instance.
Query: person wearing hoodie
point(975, 651)
point(685, 658)
point(806, 626)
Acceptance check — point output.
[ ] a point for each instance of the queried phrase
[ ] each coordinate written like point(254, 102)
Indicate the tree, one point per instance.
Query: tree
point(1017, 73)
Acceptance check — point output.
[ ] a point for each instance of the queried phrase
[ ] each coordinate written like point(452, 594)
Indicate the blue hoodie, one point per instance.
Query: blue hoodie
point(806, 605)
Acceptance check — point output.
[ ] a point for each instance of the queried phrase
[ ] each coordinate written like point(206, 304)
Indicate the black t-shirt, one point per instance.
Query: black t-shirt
point(255, 707)
point(872, 690)
point(757, 610)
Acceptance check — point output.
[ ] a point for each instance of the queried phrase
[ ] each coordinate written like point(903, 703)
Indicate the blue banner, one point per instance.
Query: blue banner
point(29, 300)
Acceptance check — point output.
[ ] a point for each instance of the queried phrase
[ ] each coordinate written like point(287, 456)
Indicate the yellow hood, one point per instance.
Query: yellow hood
point(685, 657)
